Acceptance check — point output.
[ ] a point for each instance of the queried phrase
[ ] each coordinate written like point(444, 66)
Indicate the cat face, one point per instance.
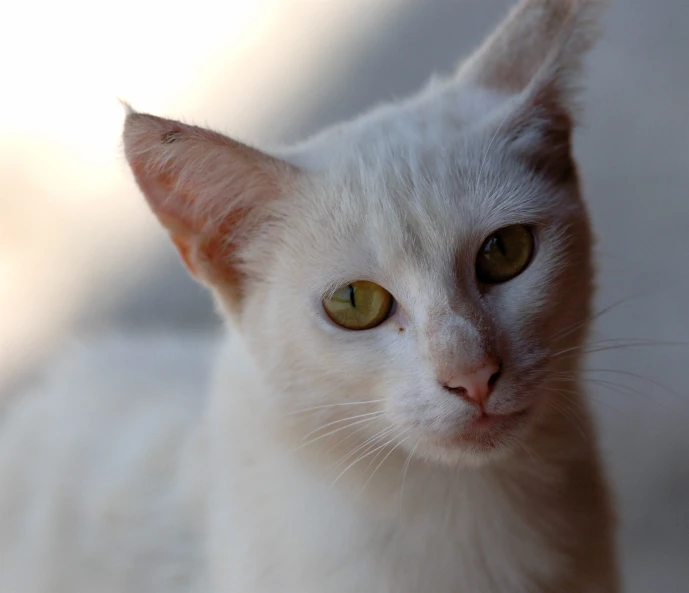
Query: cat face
point(445, 356)
point(413, 219)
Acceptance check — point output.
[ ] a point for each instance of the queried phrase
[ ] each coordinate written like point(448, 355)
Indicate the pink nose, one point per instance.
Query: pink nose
point(474, 386)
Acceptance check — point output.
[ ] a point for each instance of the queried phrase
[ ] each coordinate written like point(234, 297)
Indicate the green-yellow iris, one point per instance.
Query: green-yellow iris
point(359, 305)
point(504, 254)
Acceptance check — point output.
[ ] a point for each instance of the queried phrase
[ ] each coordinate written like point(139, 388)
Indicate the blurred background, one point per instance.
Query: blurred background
point(80, 254)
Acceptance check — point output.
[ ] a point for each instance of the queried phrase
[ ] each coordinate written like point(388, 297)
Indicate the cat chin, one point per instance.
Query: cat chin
point(475, 449)
point(478, 442)
point(465, 456)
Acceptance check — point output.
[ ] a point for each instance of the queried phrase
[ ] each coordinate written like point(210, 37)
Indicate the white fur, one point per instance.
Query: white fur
point(101, 481)
point(136, 482)
point(128, 512)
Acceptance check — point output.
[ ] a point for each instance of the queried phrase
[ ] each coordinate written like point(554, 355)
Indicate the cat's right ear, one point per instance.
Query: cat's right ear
point(209, 191)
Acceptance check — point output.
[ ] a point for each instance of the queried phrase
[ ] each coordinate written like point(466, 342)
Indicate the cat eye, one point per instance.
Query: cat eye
point(359, 305)
point(505, 254)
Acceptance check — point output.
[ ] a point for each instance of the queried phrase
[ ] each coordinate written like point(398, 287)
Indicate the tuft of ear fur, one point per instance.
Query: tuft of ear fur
point(536, 55)
point(206, 189)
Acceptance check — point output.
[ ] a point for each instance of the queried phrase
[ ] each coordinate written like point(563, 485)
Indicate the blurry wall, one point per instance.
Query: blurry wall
point(80, 253)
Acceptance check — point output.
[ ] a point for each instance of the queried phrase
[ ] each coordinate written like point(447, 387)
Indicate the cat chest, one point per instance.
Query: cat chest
point(445, 546)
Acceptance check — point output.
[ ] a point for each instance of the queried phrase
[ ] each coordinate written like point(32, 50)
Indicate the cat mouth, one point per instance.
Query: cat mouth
point(488, 430)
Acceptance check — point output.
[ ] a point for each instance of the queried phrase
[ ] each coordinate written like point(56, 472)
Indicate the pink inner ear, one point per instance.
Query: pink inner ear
point(216, 250)
point(205, 188)
point(184, 248)
point(170, 203)
point(173, 164)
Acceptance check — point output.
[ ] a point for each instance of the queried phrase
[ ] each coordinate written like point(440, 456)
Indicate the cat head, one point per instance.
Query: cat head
point(411, 277)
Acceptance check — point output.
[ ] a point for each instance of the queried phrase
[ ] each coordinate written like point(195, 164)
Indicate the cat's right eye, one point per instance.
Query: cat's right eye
point(359, 305)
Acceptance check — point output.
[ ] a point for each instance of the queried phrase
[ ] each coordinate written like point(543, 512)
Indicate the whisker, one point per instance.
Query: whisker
point(568, 393)
point(526, 449)
point(623, 389)
point(636, 376)
point(360, 458)
point(405, 469)
point(370, 463)
point(612, 344)
point(370, 401)
point(340, 421)
point(332, 432)
point(635, 345)
point(370, 442)
point(382, 461)
point(569, 330)
point(570, 415)
point(349, 436)
point(617, 387)
point(574, 327)
point(373, 459)
point(620, 388)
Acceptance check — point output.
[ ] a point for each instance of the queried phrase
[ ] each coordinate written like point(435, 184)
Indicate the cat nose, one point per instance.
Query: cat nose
point(477, 385)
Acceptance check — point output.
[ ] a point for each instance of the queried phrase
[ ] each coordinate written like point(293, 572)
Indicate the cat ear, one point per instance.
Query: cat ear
point(207, 190)
point(535, 58)
point(544, 39)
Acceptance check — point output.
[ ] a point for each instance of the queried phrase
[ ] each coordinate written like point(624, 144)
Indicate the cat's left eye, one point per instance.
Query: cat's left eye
point(359, 305)
point(505, 254)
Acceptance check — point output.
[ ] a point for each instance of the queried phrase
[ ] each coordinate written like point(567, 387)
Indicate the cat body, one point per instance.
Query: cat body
point(101, 477)
point(397, 405)
point(139, 510)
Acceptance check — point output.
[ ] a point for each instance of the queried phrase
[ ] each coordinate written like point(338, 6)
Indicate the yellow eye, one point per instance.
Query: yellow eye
point(504, 254)
point(359, 305)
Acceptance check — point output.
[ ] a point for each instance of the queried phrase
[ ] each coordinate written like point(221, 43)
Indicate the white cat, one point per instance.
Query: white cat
point(397, 407)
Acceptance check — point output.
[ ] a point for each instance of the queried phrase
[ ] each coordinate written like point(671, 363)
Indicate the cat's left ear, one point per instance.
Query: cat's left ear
point(534, 59)
point(209, 191)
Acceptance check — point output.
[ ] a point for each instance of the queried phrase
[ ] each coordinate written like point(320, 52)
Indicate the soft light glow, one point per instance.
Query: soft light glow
point(73, 227)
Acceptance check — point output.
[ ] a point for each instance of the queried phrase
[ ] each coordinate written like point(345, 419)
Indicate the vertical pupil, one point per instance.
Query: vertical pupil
point(351, 296)
point(500, 244)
